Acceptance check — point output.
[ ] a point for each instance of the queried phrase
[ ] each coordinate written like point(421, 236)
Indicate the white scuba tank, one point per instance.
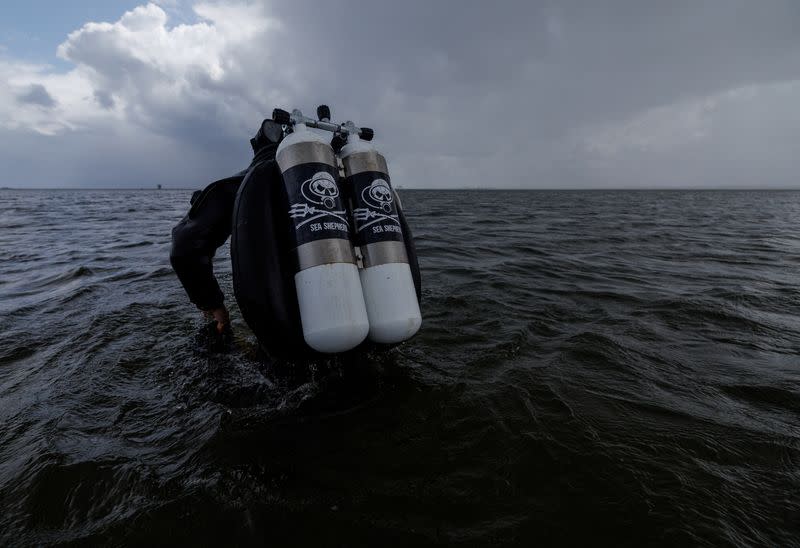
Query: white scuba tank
point(332, 309)
point(386, 279)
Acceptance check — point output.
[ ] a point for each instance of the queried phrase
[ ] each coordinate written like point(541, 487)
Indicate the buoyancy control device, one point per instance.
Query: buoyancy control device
point(319, 261)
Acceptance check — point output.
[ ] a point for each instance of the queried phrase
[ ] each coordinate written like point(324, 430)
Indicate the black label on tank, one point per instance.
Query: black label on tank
point(374, 208)
point(316, 206)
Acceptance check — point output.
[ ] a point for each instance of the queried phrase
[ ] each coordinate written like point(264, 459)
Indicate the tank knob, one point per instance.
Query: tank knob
point(282, 117)
point(366, 133)
point(323, 113)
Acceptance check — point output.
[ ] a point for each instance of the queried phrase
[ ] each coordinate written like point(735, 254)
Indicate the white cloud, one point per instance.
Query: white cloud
point(65, 90)
point(141, 71)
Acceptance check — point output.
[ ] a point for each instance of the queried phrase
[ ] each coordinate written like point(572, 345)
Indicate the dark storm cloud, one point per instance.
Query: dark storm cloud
point(502, 94)
point(569, 59)
point(104, 99)
point(37, 94)
point(521, 94)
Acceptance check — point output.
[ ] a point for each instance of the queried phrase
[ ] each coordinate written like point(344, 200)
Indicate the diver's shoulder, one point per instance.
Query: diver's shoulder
point(219, 189)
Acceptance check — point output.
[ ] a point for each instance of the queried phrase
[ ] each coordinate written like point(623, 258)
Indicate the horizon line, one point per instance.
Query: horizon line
point(660, 188)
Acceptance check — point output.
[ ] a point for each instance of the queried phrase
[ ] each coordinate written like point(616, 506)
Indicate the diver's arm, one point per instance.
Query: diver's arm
point(195, 240)
point(208, 224)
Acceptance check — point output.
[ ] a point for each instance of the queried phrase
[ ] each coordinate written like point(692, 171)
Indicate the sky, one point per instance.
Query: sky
point(511, 94)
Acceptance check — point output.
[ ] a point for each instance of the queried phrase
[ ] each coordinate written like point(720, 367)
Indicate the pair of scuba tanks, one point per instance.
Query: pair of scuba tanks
point(343, 242)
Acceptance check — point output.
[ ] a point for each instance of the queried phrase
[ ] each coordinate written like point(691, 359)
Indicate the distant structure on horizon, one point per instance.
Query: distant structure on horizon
point(159, 187)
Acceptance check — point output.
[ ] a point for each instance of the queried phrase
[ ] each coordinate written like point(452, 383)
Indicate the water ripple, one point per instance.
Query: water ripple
point(615, 368)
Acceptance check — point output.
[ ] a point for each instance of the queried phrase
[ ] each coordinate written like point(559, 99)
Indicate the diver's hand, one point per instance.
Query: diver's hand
point(215, 336)
point(221, 316)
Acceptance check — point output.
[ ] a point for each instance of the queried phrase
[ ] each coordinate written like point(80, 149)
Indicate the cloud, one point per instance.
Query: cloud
point(654, 129)
point(104, 98)
point(174, 79)
point(739, 137)
point(520, 94)
point(19, 80)
point(187, 85)
point(37, 94)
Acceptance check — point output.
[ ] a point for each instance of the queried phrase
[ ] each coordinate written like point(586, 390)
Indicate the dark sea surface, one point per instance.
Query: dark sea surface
point(594, 368)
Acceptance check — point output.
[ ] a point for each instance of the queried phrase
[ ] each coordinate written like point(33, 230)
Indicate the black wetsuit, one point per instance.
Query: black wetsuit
point(196, 238)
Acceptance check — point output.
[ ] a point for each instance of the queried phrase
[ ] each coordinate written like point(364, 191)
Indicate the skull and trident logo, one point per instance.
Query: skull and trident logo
point(319, 190)
point(378, 195)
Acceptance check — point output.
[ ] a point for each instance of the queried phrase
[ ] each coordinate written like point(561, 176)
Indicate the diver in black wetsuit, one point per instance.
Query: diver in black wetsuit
point(205, 228)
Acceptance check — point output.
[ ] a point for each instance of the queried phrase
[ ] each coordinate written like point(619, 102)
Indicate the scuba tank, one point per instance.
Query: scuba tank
point(332, 310)
point(386, 278)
